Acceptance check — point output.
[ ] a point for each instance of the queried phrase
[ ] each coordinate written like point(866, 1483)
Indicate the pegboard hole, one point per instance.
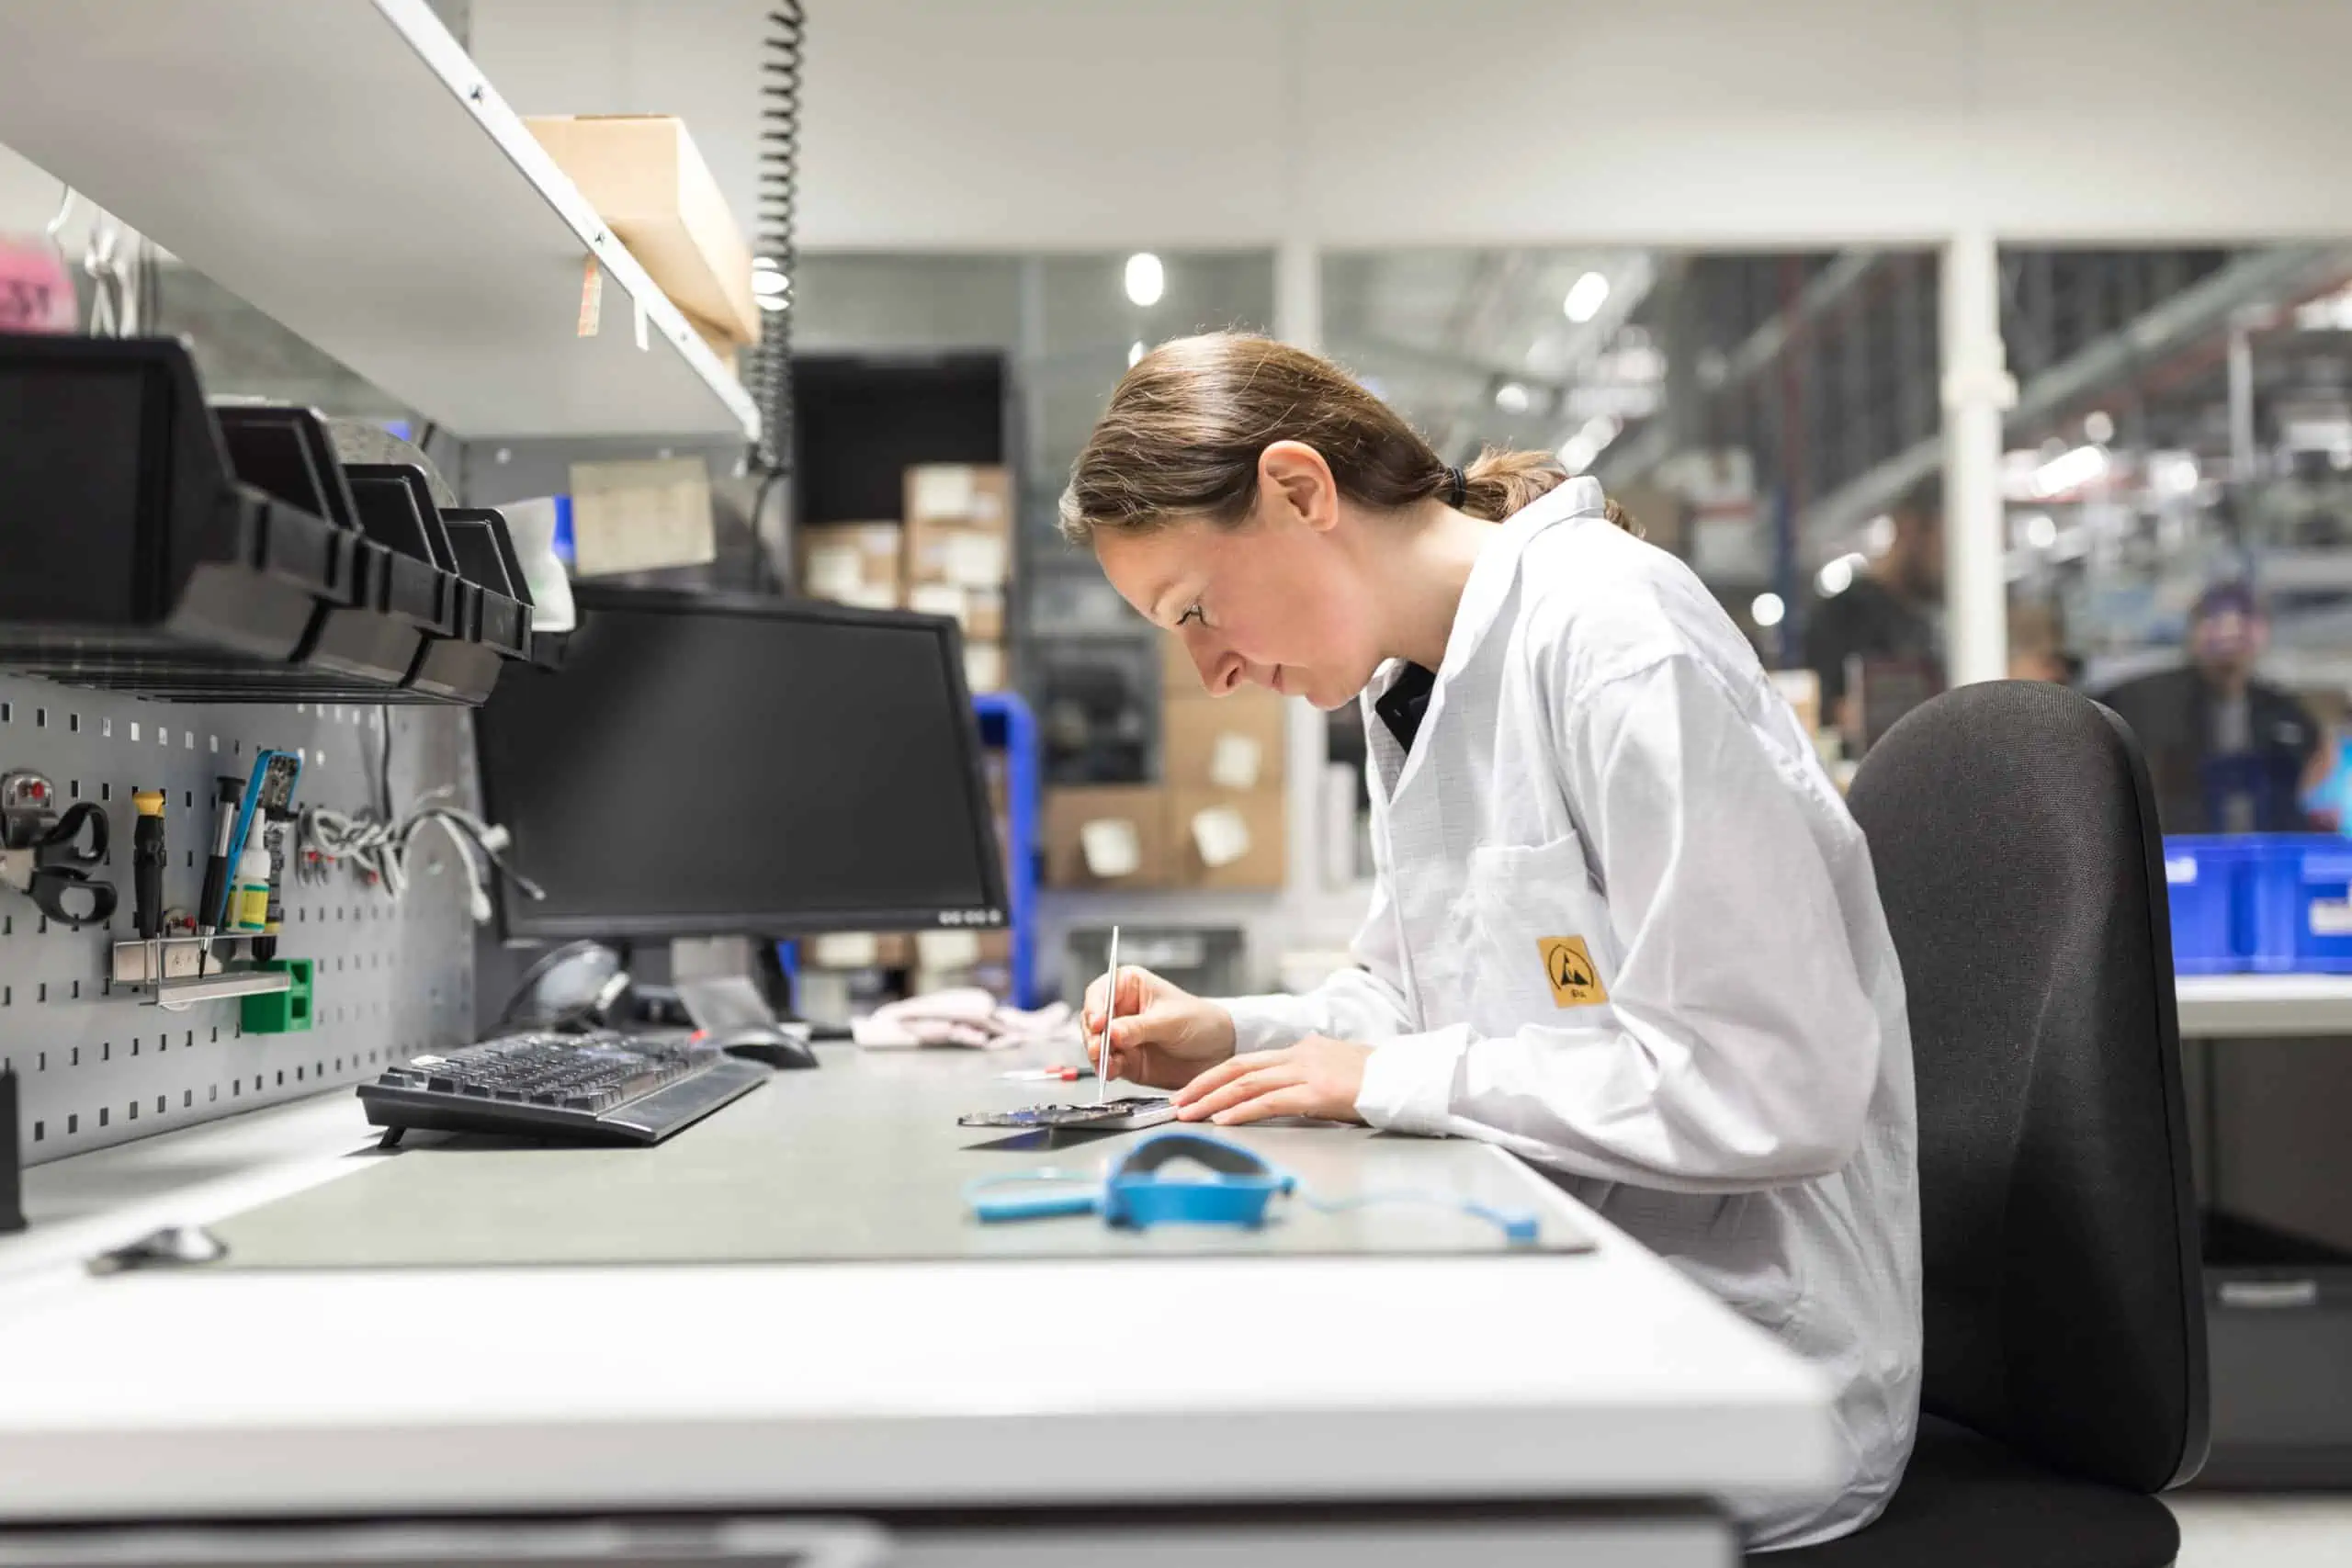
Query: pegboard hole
point(8, 712)
point(41, 719)
point(73, 724)
point(298, 1075)
point(73, 788)
point(44, 1062)
point(211, 1093)
point(105, 790)
point(102, 1115)
point(73, 1122)
point(187, 1098)
point(159, 1105)
point(132, 1112)
point(77, 990)
point(40, 1131)
point(134, 729)
point(281, 1077)
point(77, 1058)
point(44, 991)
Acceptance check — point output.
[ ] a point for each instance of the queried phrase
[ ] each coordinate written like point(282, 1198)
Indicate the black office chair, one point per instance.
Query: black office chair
point(2014, 833)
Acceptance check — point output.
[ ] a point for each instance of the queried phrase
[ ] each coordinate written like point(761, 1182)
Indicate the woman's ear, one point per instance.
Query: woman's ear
point(1299, 485)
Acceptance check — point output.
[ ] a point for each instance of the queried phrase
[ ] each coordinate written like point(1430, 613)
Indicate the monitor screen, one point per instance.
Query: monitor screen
point(712, 765)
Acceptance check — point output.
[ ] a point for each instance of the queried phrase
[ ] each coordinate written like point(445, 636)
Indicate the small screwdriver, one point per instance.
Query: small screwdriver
point(147, 859)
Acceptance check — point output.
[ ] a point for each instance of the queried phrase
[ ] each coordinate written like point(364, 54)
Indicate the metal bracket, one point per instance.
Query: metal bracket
point(178, 970)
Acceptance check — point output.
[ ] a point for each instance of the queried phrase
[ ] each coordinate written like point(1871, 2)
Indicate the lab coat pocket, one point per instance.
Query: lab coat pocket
point(1543, 949)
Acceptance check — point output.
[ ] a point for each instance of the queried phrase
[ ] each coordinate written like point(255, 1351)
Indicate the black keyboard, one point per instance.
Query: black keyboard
point(607, 1089)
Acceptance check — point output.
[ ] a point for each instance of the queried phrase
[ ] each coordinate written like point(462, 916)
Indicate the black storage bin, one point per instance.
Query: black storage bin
point(128, 556)
point(485, 554)
point(396, 507)
point(151, 543)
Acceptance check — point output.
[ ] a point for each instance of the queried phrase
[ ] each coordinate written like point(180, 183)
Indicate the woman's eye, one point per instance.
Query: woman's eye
point(1192, 615)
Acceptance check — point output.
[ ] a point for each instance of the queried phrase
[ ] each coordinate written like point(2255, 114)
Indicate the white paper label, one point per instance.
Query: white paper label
point(1112, 848)
point(936, 599)
point(869, 596)
point(846, 949)
point(942, 490)
point(947, 950)
point(2331, 917)
point(1222, 836)
point(1233, 762)
point(2180, 870)
point(974, 561)
point(638, 516)
point(983, 666)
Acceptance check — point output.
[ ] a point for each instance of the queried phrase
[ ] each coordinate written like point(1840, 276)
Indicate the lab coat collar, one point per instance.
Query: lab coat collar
point(1491, 577)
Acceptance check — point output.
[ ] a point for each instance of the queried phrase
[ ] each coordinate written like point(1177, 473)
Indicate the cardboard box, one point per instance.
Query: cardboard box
point(646, 180)
point(859, 950)
point(980, 610)
point(1230, 840)
point(959, 526)
point(850, 563)
point(714, 339)
point(1107, 836)
point(984, 666)
point(960, 495)
point(1179, 676)
point(1235, 743)
point(642, 516)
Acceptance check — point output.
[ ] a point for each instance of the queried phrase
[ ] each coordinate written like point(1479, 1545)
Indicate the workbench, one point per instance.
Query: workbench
point(1291, 1408)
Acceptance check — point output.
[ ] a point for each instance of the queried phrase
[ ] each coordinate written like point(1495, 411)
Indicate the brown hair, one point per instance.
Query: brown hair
point(1186, 426)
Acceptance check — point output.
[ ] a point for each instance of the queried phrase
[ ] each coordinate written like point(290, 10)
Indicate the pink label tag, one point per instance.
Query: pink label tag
point(36, 293)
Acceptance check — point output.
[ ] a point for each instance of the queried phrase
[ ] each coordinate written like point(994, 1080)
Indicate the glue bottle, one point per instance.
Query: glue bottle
point(249, 889)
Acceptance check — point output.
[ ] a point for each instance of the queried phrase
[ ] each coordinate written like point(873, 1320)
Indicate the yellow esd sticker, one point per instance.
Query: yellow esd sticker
point(1568, 964)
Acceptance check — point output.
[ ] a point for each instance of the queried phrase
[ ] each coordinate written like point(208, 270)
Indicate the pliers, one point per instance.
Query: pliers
point(42, 855)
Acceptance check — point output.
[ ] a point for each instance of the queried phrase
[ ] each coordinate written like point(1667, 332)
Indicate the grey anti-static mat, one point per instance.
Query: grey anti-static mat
point(858, 1159)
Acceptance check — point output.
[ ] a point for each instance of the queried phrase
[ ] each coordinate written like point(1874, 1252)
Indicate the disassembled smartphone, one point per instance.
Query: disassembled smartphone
point(1110, 1116)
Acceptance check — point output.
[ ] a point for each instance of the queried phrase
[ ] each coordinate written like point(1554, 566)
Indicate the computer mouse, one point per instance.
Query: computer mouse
point(771, 1043)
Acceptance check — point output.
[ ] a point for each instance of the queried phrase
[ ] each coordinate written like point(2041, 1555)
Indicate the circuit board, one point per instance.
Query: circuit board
point(1110, 1116)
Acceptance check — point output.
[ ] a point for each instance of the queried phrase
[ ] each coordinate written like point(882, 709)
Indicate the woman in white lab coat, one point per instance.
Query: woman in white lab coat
point(1622, 926)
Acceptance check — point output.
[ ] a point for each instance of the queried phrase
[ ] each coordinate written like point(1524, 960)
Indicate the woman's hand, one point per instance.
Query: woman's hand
point(1164, 1035)
point(1319, 1076)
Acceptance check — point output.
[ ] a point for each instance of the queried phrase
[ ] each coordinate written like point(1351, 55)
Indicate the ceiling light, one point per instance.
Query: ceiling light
point(1147, 279)
point(768, 283)
point(1878, 536)
point(772, 302)
point(1585, 298)
point(1577, 455)
point(1135, 353)
point(1839, 575)
point(2069, 471)
point(1511, 398)
point(2041, 530)
point(1767, 610)
point(2098, 428)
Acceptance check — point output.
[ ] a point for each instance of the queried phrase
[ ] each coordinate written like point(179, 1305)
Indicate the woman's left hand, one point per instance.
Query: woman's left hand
point(1319, 1076)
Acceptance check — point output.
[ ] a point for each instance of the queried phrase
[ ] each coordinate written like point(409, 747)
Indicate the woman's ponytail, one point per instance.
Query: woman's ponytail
point(1499, 482)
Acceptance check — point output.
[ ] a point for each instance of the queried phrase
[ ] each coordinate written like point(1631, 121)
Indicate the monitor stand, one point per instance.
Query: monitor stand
point(729, 976)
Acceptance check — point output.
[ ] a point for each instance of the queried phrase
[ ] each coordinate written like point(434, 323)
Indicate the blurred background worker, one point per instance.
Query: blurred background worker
point(2229, 753)
point(1890, 620)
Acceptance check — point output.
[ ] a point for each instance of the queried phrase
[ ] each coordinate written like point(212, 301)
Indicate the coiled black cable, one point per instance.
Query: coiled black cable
point(780, 66)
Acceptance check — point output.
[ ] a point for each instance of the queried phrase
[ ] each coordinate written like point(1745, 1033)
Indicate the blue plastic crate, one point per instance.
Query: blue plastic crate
point(2208, 882)
point(2317, 894)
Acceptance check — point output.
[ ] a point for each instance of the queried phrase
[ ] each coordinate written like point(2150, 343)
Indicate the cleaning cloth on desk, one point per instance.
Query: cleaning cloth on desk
point(966, 1016)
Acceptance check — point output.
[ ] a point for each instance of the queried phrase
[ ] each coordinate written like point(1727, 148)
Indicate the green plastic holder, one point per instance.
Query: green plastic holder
point(282, 1012)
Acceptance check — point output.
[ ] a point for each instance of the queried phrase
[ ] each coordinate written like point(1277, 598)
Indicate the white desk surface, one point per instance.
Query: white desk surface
point(847, 1385)
point(2227, 1007)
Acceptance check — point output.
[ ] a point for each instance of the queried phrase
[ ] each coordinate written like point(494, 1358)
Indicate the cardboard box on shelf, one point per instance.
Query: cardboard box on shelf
point(717, 340)
point(1228, 838)
point(851, 563)
point(959, 526)
point(960, 495)
point(1230, 743)
point(859, 950)
point(1107, 836)
point(984, 666)
point(647, 180)
point(980, 610)
point(1179, 676)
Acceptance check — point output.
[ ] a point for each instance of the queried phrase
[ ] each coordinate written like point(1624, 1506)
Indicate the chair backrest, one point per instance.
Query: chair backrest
point(2015, 839)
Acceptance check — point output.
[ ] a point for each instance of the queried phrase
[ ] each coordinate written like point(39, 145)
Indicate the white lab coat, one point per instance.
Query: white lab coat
point(1603, 759)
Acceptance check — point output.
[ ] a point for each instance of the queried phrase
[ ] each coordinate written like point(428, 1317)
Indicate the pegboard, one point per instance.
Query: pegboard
point(98, 1065)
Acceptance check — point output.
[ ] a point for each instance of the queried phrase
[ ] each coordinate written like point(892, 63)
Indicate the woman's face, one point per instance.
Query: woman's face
point(1276, 601)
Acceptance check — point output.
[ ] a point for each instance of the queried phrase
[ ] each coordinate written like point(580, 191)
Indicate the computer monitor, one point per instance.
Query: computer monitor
point(716, 765)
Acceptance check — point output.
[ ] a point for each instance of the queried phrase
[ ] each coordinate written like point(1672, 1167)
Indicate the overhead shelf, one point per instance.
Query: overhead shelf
point(342, 166)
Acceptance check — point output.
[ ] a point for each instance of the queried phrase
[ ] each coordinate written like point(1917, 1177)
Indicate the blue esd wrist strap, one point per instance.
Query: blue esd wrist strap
point(1236, 1189)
